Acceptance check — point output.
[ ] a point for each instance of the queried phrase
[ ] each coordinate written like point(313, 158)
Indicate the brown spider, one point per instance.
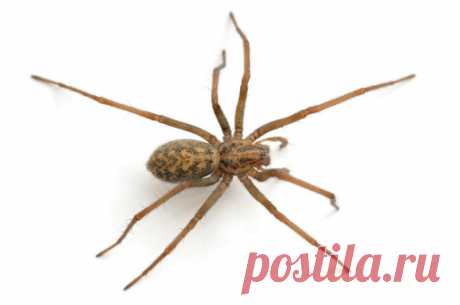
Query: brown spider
point(193, 163)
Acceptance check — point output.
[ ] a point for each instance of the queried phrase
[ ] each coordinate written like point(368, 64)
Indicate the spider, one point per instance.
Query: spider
point(192, 163)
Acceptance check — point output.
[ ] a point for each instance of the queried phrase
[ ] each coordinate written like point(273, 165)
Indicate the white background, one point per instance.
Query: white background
point(73, 172)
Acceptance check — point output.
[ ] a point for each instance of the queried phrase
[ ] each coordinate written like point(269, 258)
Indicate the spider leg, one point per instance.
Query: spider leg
point(141, 214)
point(283, 174)
point(144, 212)
point(221, 118)
point(313, 109)
point(283, 141)
point(146, 114)
point(254, 191)
point(239, 115)
point(210, 201)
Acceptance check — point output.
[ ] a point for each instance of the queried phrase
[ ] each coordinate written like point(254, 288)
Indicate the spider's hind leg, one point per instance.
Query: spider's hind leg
point(146, 114)
point(283, 174)
point(144, 212)
point(207, 205)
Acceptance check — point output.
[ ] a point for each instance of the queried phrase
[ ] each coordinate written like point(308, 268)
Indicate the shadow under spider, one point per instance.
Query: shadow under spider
point(192, 163)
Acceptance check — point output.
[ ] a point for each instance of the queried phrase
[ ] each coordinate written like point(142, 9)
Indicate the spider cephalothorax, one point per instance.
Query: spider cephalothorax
point(193, 163)
point(239, 157)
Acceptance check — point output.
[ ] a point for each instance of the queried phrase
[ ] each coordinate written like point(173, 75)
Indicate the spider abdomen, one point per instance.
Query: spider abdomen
point(181, 160)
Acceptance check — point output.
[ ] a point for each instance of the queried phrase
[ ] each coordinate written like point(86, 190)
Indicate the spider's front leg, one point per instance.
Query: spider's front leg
point(283, 141)
point(239, 115)
point(257, 194)
point(320, 107)
point(221, 118)
point(283, 174)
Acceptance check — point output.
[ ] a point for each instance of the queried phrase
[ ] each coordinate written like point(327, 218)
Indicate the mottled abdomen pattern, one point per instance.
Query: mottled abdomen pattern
point(181, 160)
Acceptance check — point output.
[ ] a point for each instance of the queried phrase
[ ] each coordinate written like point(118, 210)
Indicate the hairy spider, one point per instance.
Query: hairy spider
point(192, 163)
